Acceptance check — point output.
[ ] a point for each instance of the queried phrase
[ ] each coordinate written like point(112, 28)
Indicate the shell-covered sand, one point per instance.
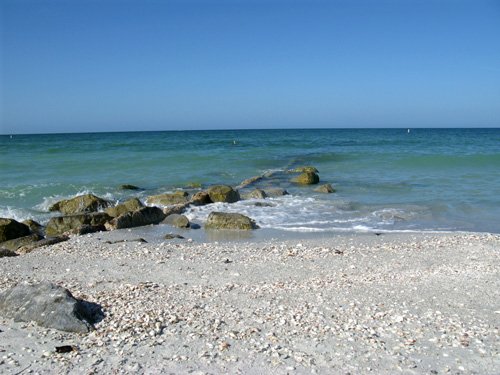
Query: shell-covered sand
point(411, 304)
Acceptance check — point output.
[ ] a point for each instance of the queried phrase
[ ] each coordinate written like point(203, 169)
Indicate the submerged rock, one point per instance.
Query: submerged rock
point(223, 193)
point(326, 188)
point(168, 199)
point(16, 243)
point(275, 192)
point(80, 204)
point(227, 220)
point(129, 187)
point(62, 224)
point(10, 229)
point(49, 306)
point(127, 206)
point(249, 181)
point(138, 218)
point(306, 178)
point(176, 220)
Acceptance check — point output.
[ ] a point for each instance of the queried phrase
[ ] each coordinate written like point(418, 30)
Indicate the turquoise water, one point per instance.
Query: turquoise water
point(386, 179)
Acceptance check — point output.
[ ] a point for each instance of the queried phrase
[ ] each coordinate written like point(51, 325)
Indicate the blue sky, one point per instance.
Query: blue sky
point(77, 66)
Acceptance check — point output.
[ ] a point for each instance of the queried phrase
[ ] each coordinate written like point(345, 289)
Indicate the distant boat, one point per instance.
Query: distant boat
point(408, 130)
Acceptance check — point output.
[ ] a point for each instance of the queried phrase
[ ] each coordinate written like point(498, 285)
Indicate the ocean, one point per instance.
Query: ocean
point(386, 180)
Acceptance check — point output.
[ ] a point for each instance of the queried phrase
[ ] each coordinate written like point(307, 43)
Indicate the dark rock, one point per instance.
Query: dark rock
point(7, 253)
point(45, 242)
point(49, 306)
point(127, 206)
point(129, 187)
point(226, 220)
point(34, 226)
point(176, 220)
point(201, 198)
point(138, 218)
point(16, 243)
point(306, 178)
point(326, 188)
point(10, 229)
point(223, 193)
point(63, 224)
point(178, 197)
point(171, 236)
point(80, 204)
point(275, 192)
point(256, 194)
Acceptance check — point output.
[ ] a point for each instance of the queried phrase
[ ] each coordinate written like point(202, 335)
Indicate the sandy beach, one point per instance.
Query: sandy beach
point(394, 303)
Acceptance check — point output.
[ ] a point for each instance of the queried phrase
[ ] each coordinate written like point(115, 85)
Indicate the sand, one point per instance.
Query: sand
point(394, 303)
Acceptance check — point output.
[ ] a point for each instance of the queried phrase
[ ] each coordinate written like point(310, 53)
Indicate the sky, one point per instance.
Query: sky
point(85, 66)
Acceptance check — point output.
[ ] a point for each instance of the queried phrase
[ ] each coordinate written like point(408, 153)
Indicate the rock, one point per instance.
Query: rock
point(127, 206)
point(275, 192)
point(168, 199)
point(326, 188)
point(176, 220)
point(249, 181)
point(226, 220)
point(201, 198)
point(193, 185)
point(80, 204)
point(171, 236)
point(7, 253)
point(50, 306)
point(34, 226)
point(306, 178)
point(129, 187)
point(45, 242)
point(307, 169)
point(175, 209)
point(142, 216)
point(264, 204)
point(223, 193)
point(16, 243)
point(10, 229)
point(63, 224)
point(256, 194)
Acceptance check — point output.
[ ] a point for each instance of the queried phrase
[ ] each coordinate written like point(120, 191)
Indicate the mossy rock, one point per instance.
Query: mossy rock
point(306, 178)
point(307, 169)
point(193, 185)
point(71, 223)
point(326, 188)
point(201, 198)
point(80, 204)
point(168, 199)
point(141, 217)
point(176, 220)
point(226, 220)
point(127, 206)
point(34, 226)
point(255, 194)
point(16, 243)
point(223, 193)
point(249, 181)
point(10, 229)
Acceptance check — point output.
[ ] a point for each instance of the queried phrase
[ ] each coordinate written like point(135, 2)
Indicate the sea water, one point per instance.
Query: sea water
point(385, 179)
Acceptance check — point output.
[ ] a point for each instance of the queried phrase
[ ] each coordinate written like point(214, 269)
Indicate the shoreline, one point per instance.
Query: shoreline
point(395, 303)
